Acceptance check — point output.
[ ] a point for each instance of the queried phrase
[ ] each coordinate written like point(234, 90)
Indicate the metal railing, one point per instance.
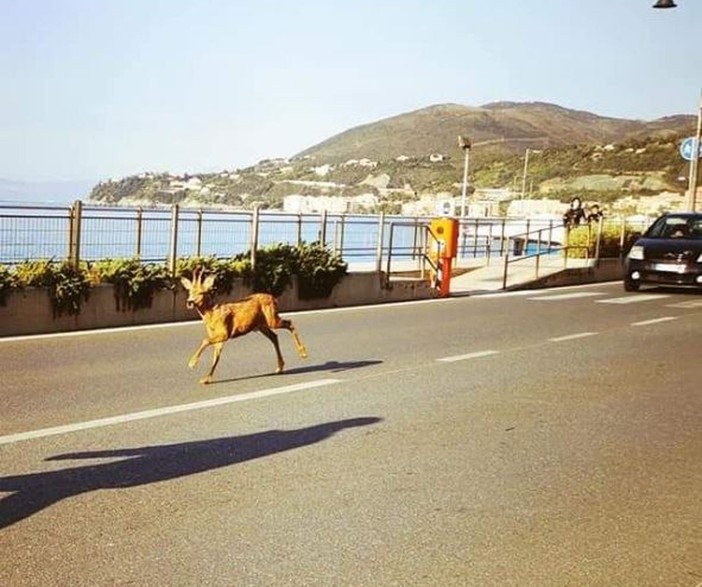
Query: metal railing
point(82, 232)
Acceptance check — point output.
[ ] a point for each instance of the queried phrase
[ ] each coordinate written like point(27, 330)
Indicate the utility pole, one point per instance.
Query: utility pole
point(694, 162)
point(464, 143)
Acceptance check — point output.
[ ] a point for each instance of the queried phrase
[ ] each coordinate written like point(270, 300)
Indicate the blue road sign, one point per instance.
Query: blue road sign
point(686, 148)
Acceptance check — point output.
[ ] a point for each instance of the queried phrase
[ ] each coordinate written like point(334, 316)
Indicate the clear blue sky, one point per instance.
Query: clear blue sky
point(93, 89)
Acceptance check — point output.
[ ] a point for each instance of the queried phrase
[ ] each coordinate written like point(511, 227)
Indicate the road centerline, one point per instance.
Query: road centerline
point(166, 411)
point(573, 336)
point(475, 355)
point(654, 321)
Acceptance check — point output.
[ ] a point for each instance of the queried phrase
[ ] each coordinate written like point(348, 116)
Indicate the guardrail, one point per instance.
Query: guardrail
point(82, 232)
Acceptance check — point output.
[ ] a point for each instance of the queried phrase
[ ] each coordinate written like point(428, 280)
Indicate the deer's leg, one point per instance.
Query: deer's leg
point(273, 337)
point(216, 352)
point(289, 326)
point(196, 355)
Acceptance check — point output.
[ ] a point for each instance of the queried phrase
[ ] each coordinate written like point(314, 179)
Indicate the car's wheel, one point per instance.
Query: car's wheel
point(631, 285)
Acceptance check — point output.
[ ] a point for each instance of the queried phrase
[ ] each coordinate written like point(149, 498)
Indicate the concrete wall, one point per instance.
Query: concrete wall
point(601, 270)
point(29, 311)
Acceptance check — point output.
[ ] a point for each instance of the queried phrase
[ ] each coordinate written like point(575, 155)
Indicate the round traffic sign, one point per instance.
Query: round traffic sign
point(686, 148)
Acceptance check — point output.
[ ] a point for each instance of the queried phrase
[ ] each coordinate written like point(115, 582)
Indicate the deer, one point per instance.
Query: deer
point(256, 312)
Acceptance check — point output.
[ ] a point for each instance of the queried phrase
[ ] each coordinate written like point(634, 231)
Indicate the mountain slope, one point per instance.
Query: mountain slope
point(503, 126)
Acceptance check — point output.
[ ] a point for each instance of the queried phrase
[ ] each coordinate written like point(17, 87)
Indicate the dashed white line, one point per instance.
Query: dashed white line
point(467, 356)
point(572, 336)
point(220, 401)
point(566, 296)
point(634, 299)
point(654, 321)
point(686, 304)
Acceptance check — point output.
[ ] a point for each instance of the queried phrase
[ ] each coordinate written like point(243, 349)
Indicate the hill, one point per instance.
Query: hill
point(504, 127)
point(387, 163)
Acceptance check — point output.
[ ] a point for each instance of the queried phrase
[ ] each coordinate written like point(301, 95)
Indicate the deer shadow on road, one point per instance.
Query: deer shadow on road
point(329, 366)
point(143, 465)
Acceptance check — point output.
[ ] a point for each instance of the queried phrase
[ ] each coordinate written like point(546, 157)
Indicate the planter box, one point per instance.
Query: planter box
point(29, 311)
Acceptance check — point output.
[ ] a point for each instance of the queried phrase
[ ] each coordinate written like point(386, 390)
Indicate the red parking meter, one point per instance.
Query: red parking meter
point(443, 247)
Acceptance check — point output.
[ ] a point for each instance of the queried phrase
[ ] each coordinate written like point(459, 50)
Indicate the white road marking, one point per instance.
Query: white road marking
point(572, 336)
point(467, 356)
point(567, 296)
point(220, 401)
point(634, 299)
point(687, 304)
point(655, 321)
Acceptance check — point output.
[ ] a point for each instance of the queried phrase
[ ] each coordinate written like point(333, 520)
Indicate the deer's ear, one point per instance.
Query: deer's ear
point(208, 283)
point(187, 284)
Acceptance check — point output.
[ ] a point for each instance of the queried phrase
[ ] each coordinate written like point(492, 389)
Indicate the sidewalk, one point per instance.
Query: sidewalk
point(523, 274)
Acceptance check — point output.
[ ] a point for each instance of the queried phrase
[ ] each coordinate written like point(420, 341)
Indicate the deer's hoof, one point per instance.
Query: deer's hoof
point(206, 380)
point(192, 363)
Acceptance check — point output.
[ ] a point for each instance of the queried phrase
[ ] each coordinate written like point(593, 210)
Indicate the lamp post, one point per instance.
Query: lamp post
point(464, 143)
point(695, 159)
point(694, 162)
point(526, 168)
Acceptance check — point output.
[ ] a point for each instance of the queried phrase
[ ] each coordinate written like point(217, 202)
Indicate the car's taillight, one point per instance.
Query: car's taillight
point(636, 253)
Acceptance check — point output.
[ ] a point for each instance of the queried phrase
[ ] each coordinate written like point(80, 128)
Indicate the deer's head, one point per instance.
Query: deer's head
point(197, 289)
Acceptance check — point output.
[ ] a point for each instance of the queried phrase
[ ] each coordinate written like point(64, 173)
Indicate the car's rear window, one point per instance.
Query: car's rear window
point(689, 227)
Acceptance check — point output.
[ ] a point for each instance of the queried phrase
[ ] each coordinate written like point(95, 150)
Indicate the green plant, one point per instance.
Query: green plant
point(7, 282)
point(318, 271)
point(275, 266)
point(224, 270)
point(134, 282)
point(67, 286)
point(582, 241)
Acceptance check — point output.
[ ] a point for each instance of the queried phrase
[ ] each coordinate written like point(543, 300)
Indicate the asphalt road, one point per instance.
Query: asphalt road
point(544, 438)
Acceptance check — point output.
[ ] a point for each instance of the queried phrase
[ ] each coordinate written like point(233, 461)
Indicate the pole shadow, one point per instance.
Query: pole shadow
point(144, 465)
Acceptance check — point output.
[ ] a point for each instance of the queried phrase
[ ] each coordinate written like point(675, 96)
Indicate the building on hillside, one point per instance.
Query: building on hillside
point(299, 204)
point(543, 207)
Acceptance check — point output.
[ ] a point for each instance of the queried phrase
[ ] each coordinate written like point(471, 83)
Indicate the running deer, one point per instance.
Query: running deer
point(258, 311)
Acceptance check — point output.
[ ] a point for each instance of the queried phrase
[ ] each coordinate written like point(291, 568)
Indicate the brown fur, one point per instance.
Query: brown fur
point(232, 319)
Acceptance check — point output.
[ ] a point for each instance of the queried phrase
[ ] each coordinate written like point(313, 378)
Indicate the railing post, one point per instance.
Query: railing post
point(139, 231)
point(475, 239)
point(379, 243)
point(504, 273)
point(323, 229)
point(74, 230)
point(173, 248)
point(299, 230)
point(502, 237)
point(392, 230)
point(622, 237)
point(198, 236)
point(600, 223)
point(254, 235)
point(339, 236)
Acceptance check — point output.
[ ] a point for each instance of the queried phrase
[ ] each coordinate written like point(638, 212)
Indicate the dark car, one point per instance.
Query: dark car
point(669, 253)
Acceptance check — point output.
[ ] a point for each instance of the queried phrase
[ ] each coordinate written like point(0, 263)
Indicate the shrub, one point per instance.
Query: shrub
point(582, 241)
point(318, 271)
point(134, 282)
point(224, 270)
point(67, 286)
point(275, 266)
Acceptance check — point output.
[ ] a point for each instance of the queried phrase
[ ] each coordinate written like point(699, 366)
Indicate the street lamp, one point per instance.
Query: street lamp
point(695, 159)
point(526, 167)
point(464, 143)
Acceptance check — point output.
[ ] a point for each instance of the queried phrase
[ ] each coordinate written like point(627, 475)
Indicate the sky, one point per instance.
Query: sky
point(99, 89)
